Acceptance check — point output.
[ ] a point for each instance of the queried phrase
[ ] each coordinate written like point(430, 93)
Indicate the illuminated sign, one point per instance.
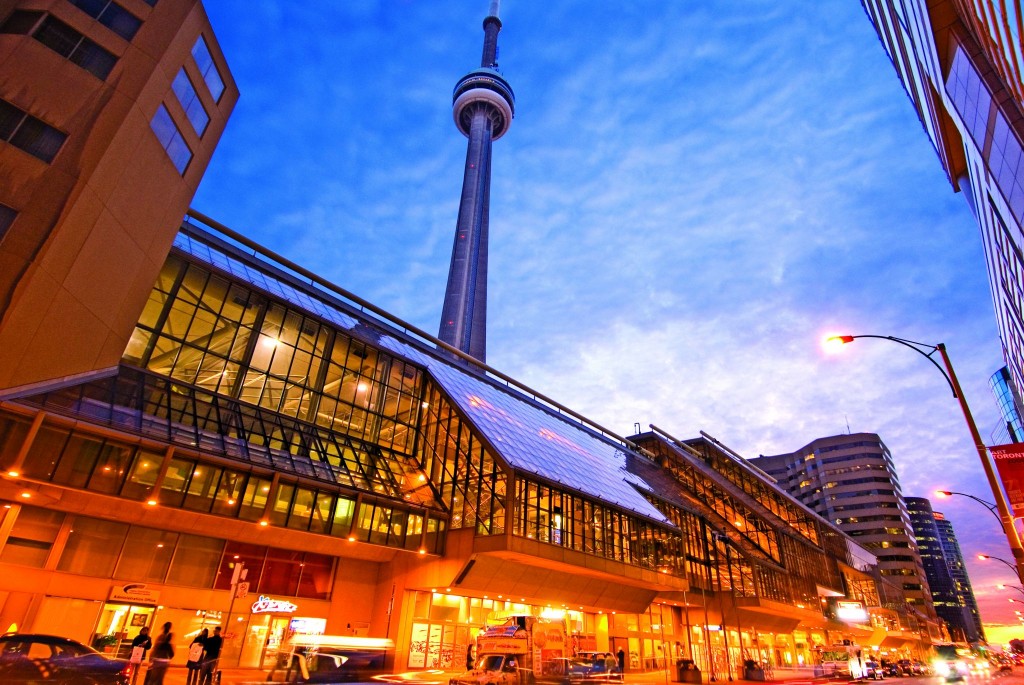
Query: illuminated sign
point(137, 593)
point(851, 611)
point(266, 605)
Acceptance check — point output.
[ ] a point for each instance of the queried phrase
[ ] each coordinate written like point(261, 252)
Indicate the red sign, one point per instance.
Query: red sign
point(1010, 464)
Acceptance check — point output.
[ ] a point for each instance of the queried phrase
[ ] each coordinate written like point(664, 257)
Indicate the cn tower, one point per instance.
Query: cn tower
point(483, 105)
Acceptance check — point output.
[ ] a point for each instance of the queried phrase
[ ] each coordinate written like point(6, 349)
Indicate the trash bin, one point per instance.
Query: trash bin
point(687, 671)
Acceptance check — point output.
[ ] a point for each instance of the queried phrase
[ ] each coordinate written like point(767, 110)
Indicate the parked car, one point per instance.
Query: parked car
point(873, 670)
point(32, 658)
point(585, 668)
point(890, 669)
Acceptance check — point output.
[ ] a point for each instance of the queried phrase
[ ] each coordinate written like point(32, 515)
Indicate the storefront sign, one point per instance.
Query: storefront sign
point(266, 605)
point(134, 593)
point(851, 611)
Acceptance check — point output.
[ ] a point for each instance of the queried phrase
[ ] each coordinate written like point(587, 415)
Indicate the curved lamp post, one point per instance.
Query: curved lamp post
point(988, 505)
point(1018, 588)
point(946, 369)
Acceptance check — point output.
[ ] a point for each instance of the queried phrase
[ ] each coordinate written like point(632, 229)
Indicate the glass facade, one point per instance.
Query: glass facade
point(250, 392)
point(109, 549)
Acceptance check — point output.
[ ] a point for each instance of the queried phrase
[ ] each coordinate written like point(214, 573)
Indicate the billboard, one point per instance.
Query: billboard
point(1010, 464)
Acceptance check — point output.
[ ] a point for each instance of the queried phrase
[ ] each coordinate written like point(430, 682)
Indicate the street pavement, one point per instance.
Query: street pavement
point(252, 676)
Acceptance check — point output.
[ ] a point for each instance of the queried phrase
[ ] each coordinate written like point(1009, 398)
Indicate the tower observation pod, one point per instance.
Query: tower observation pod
point(483, 105)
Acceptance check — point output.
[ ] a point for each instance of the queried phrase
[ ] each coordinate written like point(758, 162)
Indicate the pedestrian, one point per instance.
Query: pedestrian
point(211, 658)
point(195, 656)
point(140, 645)
point(469, 657)
point(622, 660)
point(609, 663)
point(160, 659)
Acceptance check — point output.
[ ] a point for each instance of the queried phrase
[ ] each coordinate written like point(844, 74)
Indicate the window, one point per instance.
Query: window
point(6, 219)
point(32, 537)
point(93, 547)
point(24, 131)
point(62, 39)
point(110, 14)
point(189, 99)
point(204, 60)
point(170, 138)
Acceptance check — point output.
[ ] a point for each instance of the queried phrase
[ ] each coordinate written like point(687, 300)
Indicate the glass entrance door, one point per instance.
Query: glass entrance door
point(118, 625)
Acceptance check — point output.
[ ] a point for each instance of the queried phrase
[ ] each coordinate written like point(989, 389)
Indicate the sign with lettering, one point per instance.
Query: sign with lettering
point(134, 593)
point(267, 605)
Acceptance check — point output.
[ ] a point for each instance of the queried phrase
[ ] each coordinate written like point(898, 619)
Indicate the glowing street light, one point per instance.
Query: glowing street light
point(988, 505)
point(946, 369)
point(1018, 588)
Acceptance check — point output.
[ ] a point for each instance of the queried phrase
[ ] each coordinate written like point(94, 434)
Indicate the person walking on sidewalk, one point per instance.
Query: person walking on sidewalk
point(195, 657)
point(212, 657)
point(160, 659)
point(140, 645)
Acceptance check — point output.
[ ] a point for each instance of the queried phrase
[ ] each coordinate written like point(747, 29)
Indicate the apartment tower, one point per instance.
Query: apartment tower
point(961, 65)
point(850, 480)
point(951, 598)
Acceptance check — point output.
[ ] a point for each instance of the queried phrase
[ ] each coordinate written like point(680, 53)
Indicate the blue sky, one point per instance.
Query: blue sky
point(690, 196)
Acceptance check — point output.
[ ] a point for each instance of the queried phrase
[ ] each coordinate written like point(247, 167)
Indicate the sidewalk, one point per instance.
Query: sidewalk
point(176, 675)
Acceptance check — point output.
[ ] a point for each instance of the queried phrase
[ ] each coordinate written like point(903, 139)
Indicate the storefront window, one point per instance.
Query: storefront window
point(172, 491)
point(202, 487)
point(93, 547)
point(196, 565)
point(229, 493)
point(32, 536)
point(250, 556)
point(317, 575)
point(111, 468)
point(143, 476)
point(255, 499)
point(147, 555)
point(281, 573)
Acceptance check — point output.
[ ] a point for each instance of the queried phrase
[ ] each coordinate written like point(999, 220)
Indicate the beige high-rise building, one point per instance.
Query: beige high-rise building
point(850, 480)
point(109, 113)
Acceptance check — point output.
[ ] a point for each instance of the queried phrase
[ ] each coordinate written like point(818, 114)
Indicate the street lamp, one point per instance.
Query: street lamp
point(988, 505)
point(1002, 506)
point(1018, 588)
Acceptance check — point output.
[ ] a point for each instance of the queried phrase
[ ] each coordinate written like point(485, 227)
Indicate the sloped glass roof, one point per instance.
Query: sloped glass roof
point(527, 434)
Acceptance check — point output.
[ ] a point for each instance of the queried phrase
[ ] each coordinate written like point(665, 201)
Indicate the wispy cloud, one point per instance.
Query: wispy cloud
point(690, 196)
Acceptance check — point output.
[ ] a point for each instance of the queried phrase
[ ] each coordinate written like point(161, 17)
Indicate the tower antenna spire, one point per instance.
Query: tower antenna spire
point(483, 105)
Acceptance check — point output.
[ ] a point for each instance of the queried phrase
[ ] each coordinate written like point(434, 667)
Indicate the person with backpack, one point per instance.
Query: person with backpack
point(195, 657)
point(160, 659)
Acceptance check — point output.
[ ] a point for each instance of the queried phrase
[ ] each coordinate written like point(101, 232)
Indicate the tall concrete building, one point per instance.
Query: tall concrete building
point(851, 481)
point(109, 113)
point(951, 598)
point(483, 105)
point(958, 571)
point(961, 63)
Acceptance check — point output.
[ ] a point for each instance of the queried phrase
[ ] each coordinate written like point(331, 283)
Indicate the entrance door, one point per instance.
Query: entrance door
point(118, 625)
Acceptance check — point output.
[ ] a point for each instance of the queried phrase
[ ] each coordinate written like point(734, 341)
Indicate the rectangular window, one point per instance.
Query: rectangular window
point(32, 537)
point(204, 60)
point(110, 14)
point(195, 562)
point(147, 555)
point(7, 216)
point(66, 42)
point(24, 131)
point(170, 138)
point(93, 547)
point(189, 99)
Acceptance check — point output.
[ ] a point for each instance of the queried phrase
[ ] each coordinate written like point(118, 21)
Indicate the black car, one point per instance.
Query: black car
point(28, 658)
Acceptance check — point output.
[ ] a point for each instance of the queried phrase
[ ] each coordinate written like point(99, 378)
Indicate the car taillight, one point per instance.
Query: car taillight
point(126, 671)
